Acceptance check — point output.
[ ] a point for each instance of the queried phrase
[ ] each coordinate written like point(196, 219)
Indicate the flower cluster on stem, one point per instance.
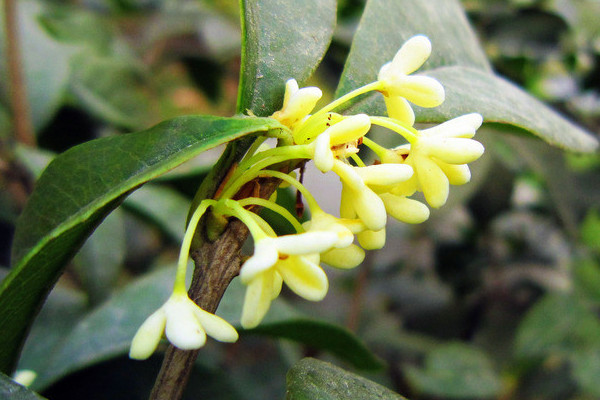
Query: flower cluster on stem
point(428, 161)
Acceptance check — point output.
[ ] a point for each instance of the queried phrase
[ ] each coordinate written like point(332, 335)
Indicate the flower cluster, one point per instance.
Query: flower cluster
point(429, 162)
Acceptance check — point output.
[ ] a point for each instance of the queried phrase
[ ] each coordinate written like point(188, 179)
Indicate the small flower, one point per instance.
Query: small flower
point(439, 156)
point(269, 250)
point(302, 274)
point(340, 140)
point(346, 258)
point(184, 324)
point(297, 103)
point(399, 87)
point(358, 199)
point(343, 228)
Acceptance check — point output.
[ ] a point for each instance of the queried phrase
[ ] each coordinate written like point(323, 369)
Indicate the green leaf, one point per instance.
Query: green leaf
point(455, 371)
point(499, 101)
point(106, 332)
point(10, 390)
point(312, 379)
point(458, 62)
point(281, 40)
point(45, 61)
point(78, 189)
point(557, 324)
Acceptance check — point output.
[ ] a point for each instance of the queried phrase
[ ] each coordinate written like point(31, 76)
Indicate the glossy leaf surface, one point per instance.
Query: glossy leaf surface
point(313, 379)
point(78, 189)
point(281, 40)
point(458, 62)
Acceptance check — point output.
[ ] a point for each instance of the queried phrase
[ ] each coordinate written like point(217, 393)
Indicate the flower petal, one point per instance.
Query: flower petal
point(323, 155)
point(457, 174)
point(372, 240)
point(304, 277)
point(464, 126)
point(306, 243)
point(264, 257)
point(405, 210)
point(423, 91)
point(346, 204)
point(349, 129)
point(385, 174)
point(398, 108)
point(257, 300)
point(148, 335)
point(346, 258)
point(291, 87)
point(455, 150)
point(370, 209)
point(216, 327)
point(433, 181)
point(183, 328)
point(412, 55)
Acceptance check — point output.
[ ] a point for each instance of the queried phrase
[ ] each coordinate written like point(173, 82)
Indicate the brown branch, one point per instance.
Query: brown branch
point(217, 264)
point(22, 124)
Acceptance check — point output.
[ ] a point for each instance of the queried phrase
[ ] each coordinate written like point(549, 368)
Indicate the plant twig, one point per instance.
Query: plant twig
point(217, 264)
point(22, 124)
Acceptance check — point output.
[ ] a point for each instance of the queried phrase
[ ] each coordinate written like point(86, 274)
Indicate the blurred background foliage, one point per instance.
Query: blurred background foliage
point(497, 296)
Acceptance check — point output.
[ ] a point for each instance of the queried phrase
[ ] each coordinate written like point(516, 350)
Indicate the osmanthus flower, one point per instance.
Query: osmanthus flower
point(358, 199)
point(293, 259)
point(297, 103)
point(340, 140)
point(344, 255)
point(439, 156)
point(184, 324)
point(399, 87)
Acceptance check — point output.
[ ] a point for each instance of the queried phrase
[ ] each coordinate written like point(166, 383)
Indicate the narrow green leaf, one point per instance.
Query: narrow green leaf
point(458, 62)
point(455, 371)
point(78, 189)
point(281, 40)
point(312, 379)
point(10, 390)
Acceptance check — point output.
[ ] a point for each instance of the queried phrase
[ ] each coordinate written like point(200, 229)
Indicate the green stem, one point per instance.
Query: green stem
point(312, 203)
point(348, 96)
point(409, 133)
point(375, 147)
point(179, 285)
point(357, 160)
point(244, 175)
point(234, 209)
point(275, 208)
